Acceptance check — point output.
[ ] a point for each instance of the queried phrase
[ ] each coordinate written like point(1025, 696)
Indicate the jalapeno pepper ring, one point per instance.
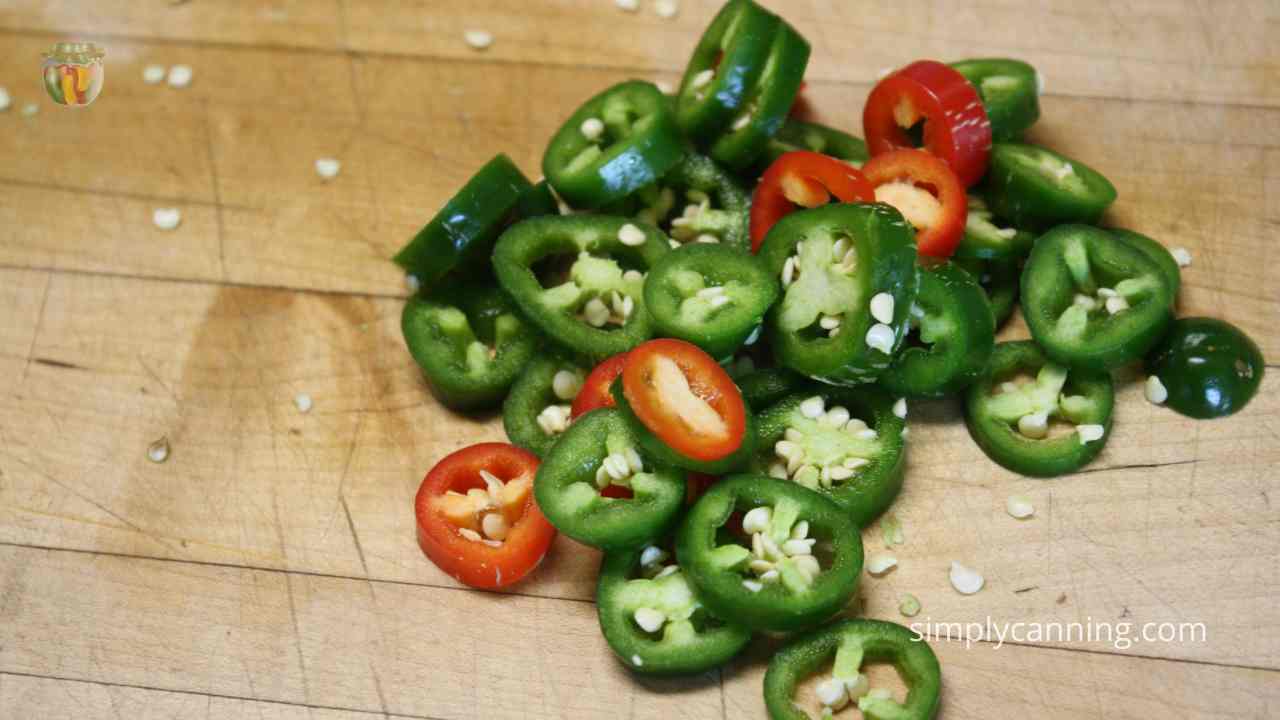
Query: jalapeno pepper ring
point(1011, 418)
point(596, 309)
point(599, 451)
point(618, 142)
point(849, 644)
point(800, 135)
point(835, 262)
point(1093, 301)
point(537, 410)
point(847, 444)
point(469, 341)
point(681, 636)
point(786, 523)
point(956, 328)
point(1157, 252)
point(1037, 188)
point(696, 201)
point(1010, 91)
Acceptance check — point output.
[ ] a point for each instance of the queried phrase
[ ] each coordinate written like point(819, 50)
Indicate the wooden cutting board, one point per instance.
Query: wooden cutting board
point(269, 568)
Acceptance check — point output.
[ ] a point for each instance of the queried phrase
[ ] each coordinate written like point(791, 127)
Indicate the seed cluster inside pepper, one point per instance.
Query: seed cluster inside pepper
point(1029, 405)
point(822, 447)
point(781, 549)
point(485, 515)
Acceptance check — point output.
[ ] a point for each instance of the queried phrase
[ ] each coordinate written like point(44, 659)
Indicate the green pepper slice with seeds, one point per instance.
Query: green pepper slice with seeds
point(849, 276)
point(984, 239)
point(724, 68)
point(794, 563)
point(595, 307)
point(696, 201)
point(469, 341)
point(1032, 187)
point(956, 330)
point(537, 408)
point(1010, 411)
point(598, 452)
point(801, 135)
point(767, 103)
point(999, 279)
point(1093, 301)
point(847, 444)
point(762, 387)
point(1010, 92)
point(848, 645)
point(1157, 252)
point(462, 234)
point(618, 142)
point(709, 295)
point(653, 620)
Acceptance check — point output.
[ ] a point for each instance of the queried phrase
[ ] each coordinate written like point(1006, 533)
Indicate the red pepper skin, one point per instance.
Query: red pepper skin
point(803, 179)
point(941, 239)
point(956, 127)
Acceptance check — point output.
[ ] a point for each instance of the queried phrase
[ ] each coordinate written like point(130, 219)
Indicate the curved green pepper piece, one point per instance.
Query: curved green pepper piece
point(536, 201)
point(956, 328)
point(1010, 92)
point(724, 69)
point(1208, 367)
point(461, 235)
point(536, 411)
point(1155, 251)
point(697, 201)
point(688, 640)
point(984, 239)
point(801, 135)
point(763, 387)
point(596, 308)
point(661, 452)
point(1033, 187)
point(1011, 420)
point(734, 581)
point(618, 142)
point(597, 451)
point(999, 279)
point(767, 104)
point(469, 341)
point(835, 262)
point(847, 444)
point(1093, 301)
point(848, 645)
point(710, 295)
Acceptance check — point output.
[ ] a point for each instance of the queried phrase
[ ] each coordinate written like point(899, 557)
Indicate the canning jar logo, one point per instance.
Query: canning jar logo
point(73, 73)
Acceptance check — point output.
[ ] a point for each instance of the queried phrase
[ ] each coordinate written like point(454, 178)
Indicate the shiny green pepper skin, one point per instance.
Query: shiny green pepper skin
point(1210, 368)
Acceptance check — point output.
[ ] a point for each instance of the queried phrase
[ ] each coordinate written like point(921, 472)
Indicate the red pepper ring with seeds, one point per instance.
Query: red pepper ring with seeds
point(477, 519)
point(803, 179)
point(955, 129)
point(927, 193)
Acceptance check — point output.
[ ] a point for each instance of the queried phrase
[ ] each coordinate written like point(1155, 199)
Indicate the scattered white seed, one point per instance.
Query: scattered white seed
point(1090, 433)
point(1106, 292)
point(752, 586)
point(710, 292)
point(628, 305)
point(881, 563)
point(1086, 302)
point(703, 79)
point(800, 530)
point(813, 407)
point(793, 435)
point(180, 76)
point(635, 659)
point(166, 218)
point(900, 408)
point(154, 74)
point(1034, 425)
point(5, 100)
point(596, 312)
point(470, 534)
point(495, 526)
point(909, 605)
point(832, 693)
point(770, 576)
point(1157, 394)
point(720, 301)
point(965, 580)
point(493, 485)
point(554, 419)
point(303, 402)
point(778, 470)
point(666, 8)
point(652, 555)
point(754, 337)
point(566, 384)
point(478, 39)
point(757, 520)
point(869, 434)
point(808, 564)
point(634, 462)
point(1181, 255)
point(673, 243)
point(853, 463)
point(30, 109)
point(1019, 506)
point(880, 337)
point(328, 168)
point(411, 283)
point(1117, 304)
point(882, 308)
point(158, 451)
point(592, 128)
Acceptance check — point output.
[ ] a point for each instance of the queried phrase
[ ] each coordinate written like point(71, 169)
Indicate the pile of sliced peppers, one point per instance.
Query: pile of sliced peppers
point(704, 325)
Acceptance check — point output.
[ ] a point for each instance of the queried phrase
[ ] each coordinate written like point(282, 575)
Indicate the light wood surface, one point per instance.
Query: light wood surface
point(269, 566)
